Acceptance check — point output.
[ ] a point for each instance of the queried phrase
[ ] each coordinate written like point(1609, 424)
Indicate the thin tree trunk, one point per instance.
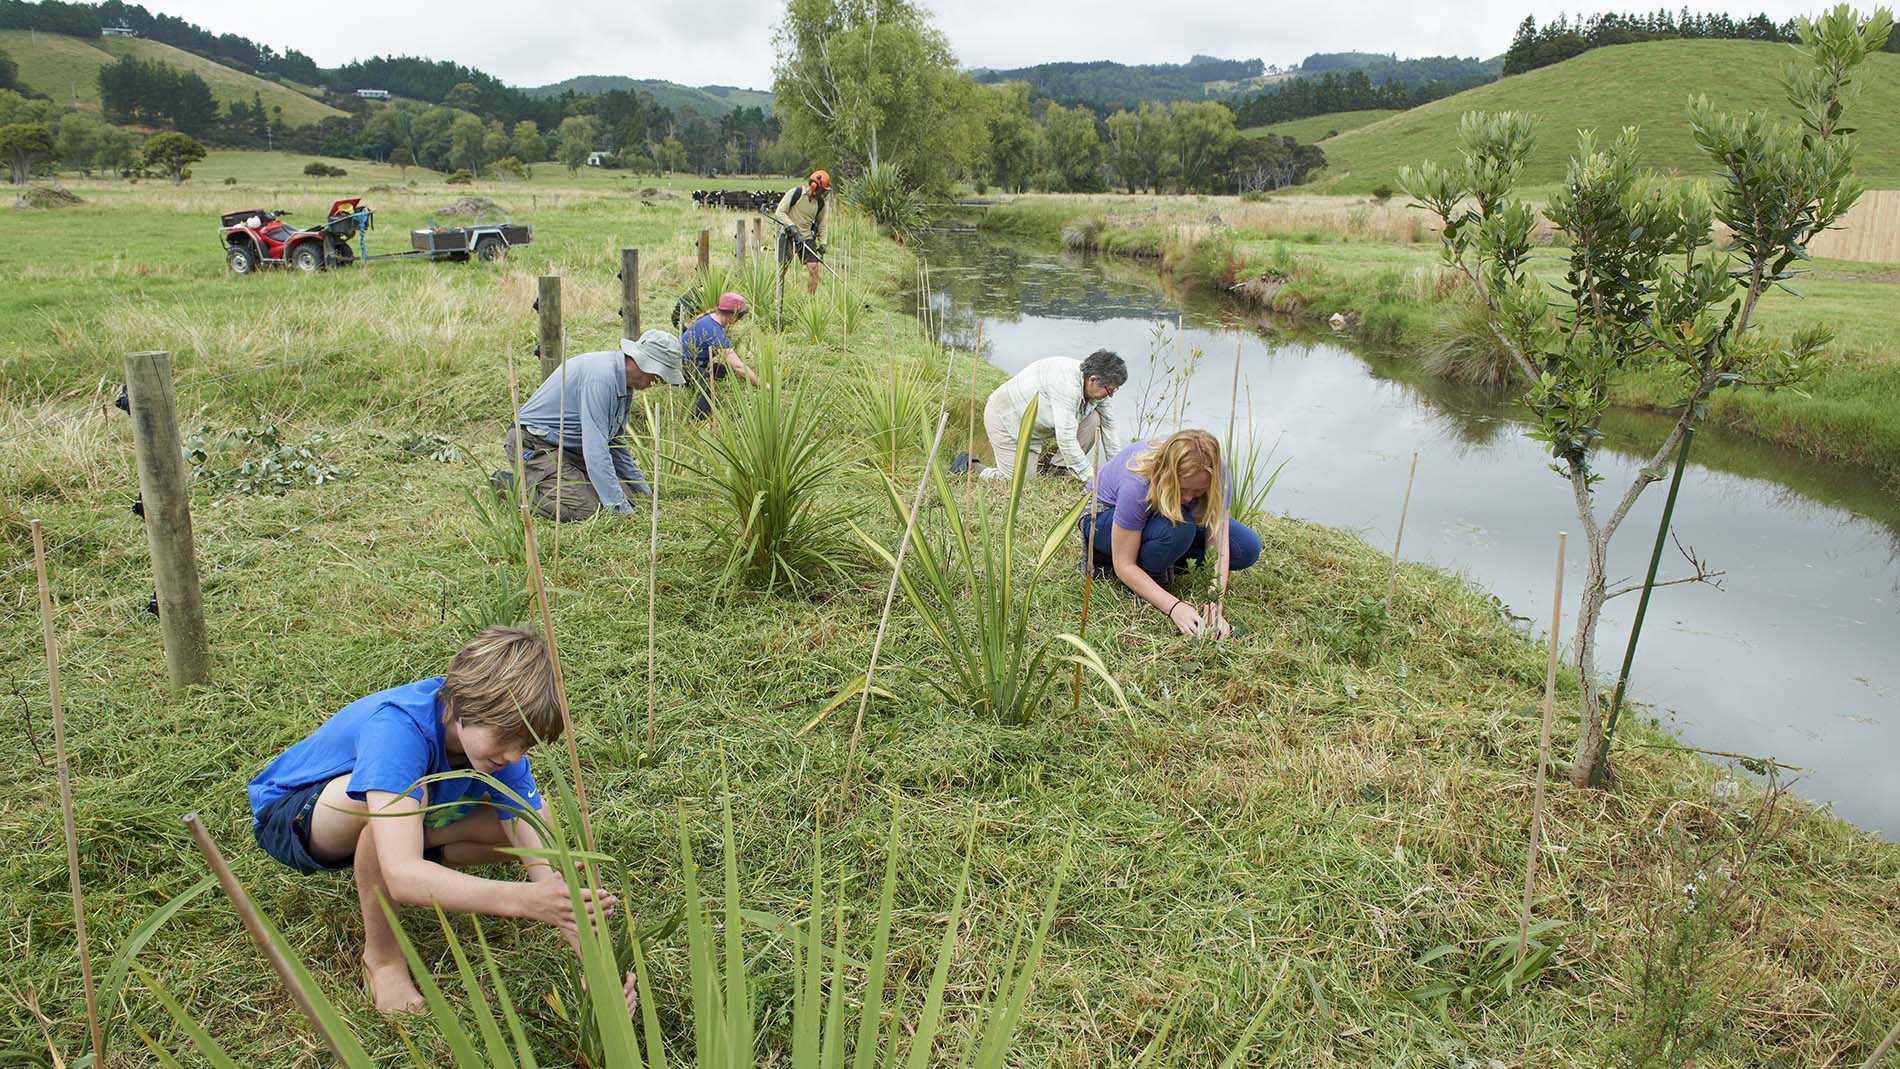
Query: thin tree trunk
point(1589, 609)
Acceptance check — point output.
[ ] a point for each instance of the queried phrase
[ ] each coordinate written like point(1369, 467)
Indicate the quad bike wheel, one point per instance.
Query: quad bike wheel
point(307, 257)
point(241, 258)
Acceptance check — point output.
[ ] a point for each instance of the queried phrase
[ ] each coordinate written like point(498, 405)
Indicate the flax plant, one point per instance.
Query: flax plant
point(839, 1007)
point(891, 407)
point(766, 474)
point(995, 666)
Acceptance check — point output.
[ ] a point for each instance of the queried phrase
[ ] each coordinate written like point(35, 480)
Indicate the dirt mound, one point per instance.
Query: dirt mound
point(46, 197)
point(470, 207)
point(389, 188)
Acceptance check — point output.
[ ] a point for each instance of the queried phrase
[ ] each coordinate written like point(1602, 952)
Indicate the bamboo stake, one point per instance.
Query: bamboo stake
point(1180, 385)
point(890, 594)
point(1392, 576)
point(560, 455)
point(247, 912)
point(1088, 561)
point(533, 553)
point(1543, 752)
point(66, 797)
point(969, 422)
point(1885, 1046)
point(653, 571)
point(1227, 462)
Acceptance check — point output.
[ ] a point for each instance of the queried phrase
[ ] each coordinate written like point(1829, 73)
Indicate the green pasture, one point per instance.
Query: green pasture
point(1645, 85)
point(1291, 818)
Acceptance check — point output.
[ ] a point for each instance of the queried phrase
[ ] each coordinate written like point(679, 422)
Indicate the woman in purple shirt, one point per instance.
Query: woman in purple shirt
point(1153, 516)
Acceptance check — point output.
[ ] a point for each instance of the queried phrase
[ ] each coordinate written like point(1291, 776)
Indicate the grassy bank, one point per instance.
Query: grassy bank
point(1299, 815)
point(1377, 263)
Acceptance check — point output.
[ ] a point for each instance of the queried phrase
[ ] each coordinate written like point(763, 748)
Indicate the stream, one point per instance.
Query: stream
point(1796, 657)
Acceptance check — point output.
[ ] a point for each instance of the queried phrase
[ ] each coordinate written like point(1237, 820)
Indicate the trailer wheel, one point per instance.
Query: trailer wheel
point(490, 249)
point(343, 256)
point(241, 257)
point(307, 257)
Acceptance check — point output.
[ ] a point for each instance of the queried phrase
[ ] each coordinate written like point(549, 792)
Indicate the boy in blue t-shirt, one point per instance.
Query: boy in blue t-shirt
point(705, 340)
point(347, 796)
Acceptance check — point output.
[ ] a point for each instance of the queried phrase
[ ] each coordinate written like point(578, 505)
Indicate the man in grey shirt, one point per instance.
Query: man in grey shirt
point(596, 466)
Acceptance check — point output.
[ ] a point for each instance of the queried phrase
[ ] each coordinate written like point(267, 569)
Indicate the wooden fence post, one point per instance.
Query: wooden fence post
point(705, 250)
point(758, 233)
point(181, 611)
point(630, 293)
point(548, 345)
point(738, 243)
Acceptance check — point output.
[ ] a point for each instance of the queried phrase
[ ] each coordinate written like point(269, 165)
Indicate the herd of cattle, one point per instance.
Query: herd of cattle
point(739, 200)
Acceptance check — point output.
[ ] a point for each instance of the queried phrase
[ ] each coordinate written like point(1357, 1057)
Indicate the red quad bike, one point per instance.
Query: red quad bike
point(255, 237)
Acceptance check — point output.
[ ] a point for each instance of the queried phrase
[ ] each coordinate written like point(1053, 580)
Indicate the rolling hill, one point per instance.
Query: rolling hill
point(1645, 85)
point(66, 69)
point(1317, 128)
point(712, 100)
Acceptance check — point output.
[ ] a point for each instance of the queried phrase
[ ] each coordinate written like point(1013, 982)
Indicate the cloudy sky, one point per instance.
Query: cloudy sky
point(729, 42)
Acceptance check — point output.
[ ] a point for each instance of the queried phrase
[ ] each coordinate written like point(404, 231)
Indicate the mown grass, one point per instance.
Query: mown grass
point(1378, 264)
point(1645, 85)
point(67, 68)
point(1268, 812)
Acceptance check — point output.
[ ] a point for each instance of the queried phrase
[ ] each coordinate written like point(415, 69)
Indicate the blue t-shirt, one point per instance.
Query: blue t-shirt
point(386, 742)
point(702, 338)
point(1125, 493)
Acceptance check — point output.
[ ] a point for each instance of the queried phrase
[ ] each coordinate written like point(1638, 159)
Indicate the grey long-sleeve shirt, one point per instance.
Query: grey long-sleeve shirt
point(594, 422)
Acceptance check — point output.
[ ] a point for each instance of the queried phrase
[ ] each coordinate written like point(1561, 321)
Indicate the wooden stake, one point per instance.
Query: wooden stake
point(1180, 385)
point(738, 243)
point(1088, 560)
point(1392, 576)
point(66, 797)
point(181, 611)
point(1543, 752)
point(705, 251)
point(548, 338)
point(630, 293)
point(533, 553)
point(1233, 412)
point(890, 594)
point(247, 912)
point(560, 458)
point(653, 571)
point(758, 233)
point(1885, 1046)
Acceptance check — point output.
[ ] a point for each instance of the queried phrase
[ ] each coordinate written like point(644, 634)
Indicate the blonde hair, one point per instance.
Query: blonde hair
point(504, 679)
point(1183, 455)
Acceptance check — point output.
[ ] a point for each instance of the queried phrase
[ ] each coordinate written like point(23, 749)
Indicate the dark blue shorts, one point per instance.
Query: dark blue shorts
point(282, 828)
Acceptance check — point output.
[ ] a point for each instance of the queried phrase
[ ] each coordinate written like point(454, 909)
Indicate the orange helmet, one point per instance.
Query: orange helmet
point(820, 180)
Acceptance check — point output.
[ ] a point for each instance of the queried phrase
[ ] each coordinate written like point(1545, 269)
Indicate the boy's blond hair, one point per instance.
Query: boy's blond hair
point(504, 679)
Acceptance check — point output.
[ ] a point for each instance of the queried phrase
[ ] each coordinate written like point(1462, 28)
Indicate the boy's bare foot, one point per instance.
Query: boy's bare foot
point(393, 990)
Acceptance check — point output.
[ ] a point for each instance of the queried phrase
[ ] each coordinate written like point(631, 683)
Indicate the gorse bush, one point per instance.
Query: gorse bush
point(764, 472)
point(995, 665)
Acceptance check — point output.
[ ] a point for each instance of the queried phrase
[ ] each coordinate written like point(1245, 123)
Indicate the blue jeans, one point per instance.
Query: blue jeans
point(1167, 546)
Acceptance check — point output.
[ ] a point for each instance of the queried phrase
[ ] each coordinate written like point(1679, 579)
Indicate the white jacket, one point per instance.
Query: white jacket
point(1057, 381)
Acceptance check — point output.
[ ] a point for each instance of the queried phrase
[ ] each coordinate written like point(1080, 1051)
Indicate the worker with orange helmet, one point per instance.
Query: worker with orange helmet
point(804, 219)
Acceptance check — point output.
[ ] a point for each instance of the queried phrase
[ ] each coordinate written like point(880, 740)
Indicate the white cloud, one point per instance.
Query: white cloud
point(730, 41)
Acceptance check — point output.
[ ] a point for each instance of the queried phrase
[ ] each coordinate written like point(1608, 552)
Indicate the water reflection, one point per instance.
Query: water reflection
point(1794, 659)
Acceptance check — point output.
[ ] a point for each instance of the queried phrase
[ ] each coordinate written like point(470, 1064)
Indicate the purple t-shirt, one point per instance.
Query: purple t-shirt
point(1125, 493)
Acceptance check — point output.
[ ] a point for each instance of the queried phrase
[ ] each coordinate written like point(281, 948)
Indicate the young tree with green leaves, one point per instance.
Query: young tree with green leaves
point(468, 150)
point(173, 153)
point(1014, 139)
point(25, 146)
point(529, 146)
point(1644, 285)
point(576, 136)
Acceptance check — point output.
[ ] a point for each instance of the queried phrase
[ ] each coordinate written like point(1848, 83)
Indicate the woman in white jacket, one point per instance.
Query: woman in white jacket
point(1071, 410)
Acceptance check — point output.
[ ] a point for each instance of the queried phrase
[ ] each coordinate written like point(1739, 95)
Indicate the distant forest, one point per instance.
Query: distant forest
point(1373, 81)
point(1105, 85)
point(1562, 38)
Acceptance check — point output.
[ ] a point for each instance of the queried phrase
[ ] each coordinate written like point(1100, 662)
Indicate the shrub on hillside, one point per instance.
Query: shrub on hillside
point(319, 169)
point(462, 177)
